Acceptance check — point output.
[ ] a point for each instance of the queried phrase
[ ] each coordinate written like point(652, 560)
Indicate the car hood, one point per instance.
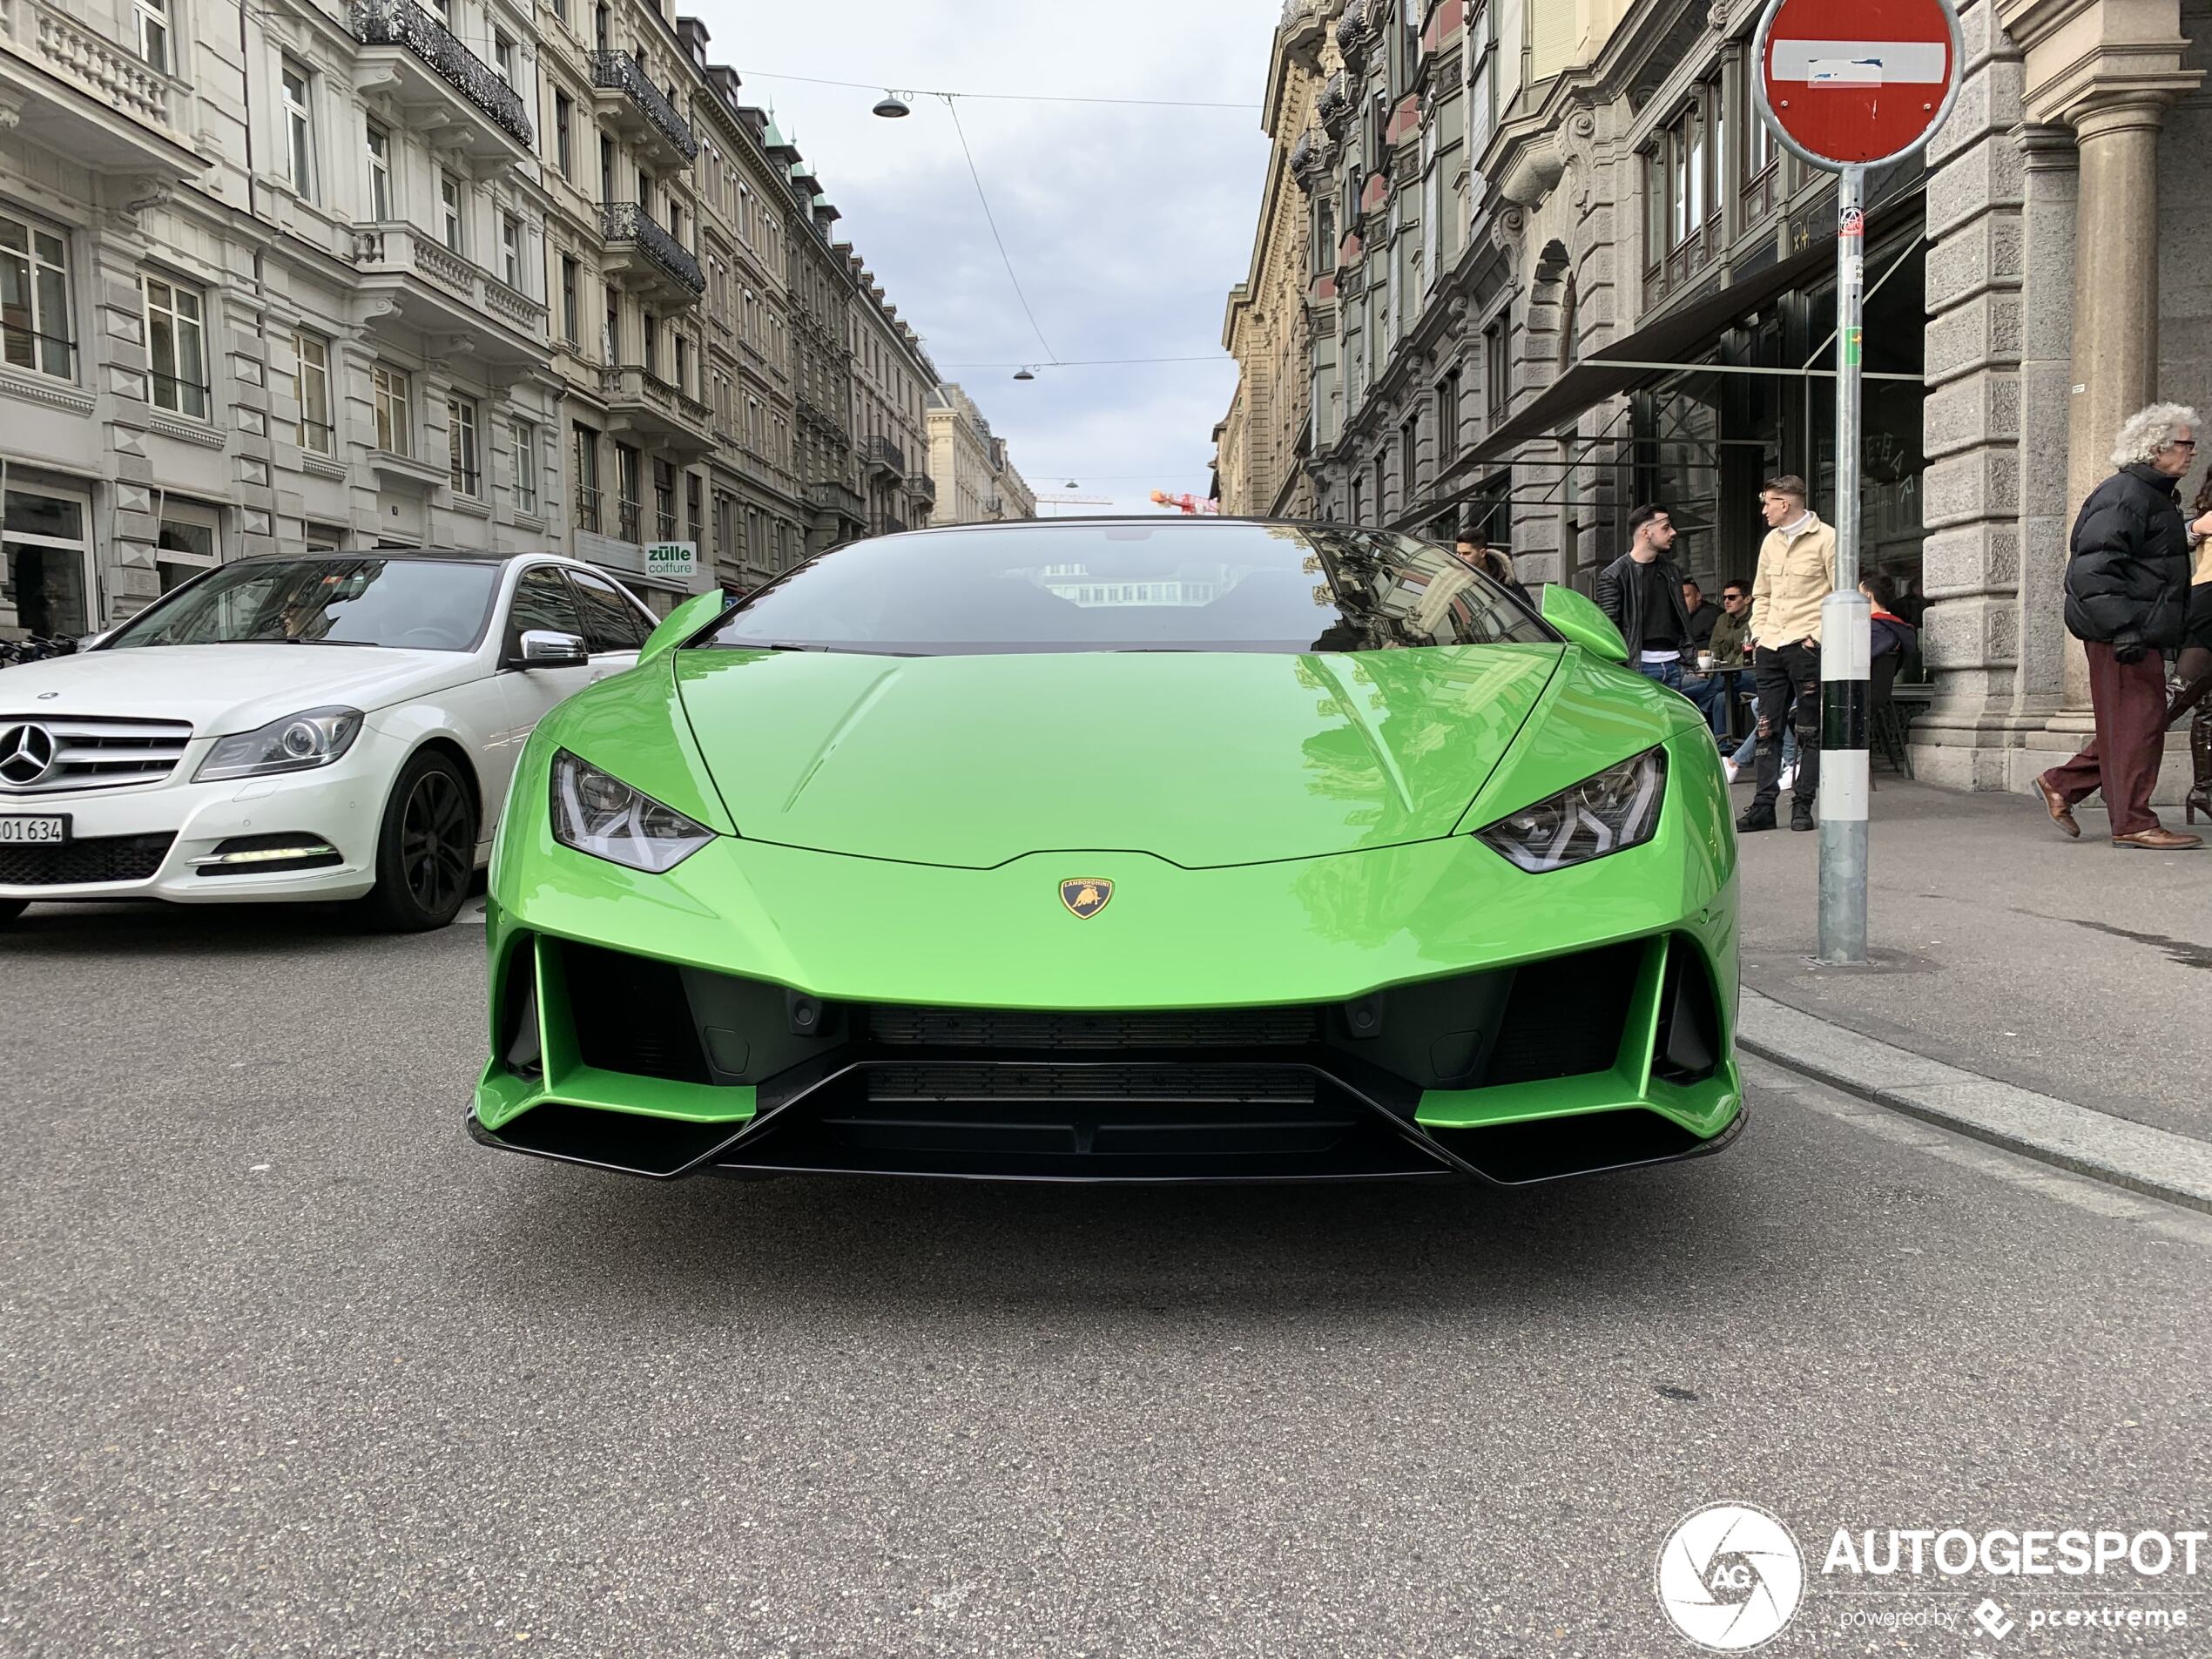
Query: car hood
point(223, 689)
point(1204, 759)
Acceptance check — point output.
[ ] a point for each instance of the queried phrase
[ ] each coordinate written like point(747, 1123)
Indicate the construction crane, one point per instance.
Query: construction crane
point(1191, 506)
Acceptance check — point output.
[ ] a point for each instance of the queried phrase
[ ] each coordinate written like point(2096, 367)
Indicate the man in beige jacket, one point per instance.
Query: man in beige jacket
point(1797, 573)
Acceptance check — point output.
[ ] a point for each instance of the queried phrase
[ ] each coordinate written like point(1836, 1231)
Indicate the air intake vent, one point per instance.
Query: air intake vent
point(1190, 1084)
point(1566, 1016)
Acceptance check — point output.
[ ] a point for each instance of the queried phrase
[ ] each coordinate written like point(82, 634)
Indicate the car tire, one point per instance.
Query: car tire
point(425, 848)
point(10, 908)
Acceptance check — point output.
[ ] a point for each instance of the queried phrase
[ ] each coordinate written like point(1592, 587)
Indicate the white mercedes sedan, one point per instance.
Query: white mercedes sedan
point(337, 726)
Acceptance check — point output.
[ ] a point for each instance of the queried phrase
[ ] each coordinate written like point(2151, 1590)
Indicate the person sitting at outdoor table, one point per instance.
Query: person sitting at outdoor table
point(1704, 615)
point(1892, 634)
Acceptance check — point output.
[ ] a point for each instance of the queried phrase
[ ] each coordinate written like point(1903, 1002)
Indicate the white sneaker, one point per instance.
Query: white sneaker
point(1789, 777)
point(1729, 767)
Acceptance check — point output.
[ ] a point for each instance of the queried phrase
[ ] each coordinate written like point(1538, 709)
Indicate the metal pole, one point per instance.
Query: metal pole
point(1846, 618)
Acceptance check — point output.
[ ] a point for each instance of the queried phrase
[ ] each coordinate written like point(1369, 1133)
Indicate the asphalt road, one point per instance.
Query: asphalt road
point(288, 1365)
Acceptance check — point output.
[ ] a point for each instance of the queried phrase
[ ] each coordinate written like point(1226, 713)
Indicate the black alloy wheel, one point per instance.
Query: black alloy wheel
point(427, 853)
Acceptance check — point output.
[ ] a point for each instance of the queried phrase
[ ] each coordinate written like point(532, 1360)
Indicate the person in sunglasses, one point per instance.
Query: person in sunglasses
point(2127, 600)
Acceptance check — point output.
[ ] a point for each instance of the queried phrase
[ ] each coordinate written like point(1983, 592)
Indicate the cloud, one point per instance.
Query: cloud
point(1127, 227)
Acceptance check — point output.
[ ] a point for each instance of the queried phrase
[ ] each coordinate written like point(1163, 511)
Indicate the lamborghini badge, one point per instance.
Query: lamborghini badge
point(1086, 898)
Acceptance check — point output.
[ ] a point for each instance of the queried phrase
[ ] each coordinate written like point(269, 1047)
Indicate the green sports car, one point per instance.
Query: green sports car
point(1143, 850)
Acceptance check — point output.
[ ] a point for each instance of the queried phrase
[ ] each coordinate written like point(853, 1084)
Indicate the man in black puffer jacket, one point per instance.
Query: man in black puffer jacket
point(2127, 595)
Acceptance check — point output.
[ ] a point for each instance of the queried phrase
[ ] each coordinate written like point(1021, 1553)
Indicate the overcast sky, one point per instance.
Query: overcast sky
point(1127, 227)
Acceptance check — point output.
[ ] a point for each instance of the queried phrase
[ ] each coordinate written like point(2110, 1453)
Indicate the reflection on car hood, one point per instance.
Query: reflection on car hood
point(1204, 759)
point(222, 689)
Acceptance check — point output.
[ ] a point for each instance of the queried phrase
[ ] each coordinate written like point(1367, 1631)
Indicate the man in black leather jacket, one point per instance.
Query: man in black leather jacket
point(2126, 597)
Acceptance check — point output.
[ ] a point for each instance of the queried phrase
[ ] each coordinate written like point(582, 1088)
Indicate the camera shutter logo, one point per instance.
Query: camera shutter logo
point(1730, 1577)
point(26, 754)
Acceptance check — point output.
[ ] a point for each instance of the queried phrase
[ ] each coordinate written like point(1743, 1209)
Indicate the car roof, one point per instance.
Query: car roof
point(427, 555)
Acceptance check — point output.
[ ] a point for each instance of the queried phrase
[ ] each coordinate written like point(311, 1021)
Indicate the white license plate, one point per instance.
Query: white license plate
point(33, 831)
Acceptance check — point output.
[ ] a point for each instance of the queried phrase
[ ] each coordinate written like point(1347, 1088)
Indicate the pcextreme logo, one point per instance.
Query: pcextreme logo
point(1730, 1577)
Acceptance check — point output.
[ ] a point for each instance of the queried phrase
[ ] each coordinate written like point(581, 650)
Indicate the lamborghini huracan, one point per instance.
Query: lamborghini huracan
point(1119, 849)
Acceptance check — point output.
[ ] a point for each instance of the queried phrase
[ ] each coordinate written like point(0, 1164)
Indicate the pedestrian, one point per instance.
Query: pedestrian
point(2126, 601)
point(1704, 615)
point(1642, 592)
point(1797, 573)
point(2192, 673)
point(1475, 551)
point(1892, 634)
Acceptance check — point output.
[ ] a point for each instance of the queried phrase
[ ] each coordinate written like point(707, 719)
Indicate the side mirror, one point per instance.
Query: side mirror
point(688, 619)
point(1582, 622)
point(544, 648)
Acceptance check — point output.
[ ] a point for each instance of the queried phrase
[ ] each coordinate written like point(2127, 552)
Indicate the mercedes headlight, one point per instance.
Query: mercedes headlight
point(297, 742)
point(1617, 809)
point(595, 811)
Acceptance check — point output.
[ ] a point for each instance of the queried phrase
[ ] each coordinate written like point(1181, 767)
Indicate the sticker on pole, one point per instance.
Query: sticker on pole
point(1858, 83)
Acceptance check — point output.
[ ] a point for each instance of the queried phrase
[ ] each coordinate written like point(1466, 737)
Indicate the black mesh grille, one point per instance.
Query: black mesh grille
point(1279, 1027)
point(1566, 1016)
point(1180, 1083)
point(109, 858)
point(630, 1014)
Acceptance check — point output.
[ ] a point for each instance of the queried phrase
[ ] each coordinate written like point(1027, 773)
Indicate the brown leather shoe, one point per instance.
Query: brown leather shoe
point(2158, 840)
point(2054, 803)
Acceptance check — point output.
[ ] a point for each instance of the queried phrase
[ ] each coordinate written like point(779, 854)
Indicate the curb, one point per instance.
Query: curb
point(2153, 1161)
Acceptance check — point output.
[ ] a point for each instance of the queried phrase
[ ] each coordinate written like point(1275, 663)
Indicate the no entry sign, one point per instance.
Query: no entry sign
point(1858, 83)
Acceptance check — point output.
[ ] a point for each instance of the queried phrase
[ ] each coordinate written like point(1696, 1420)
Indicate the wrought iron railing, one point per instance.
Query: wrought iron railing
point(402, 22)
point(628, 222)
point(619, 71)
point(886, 455)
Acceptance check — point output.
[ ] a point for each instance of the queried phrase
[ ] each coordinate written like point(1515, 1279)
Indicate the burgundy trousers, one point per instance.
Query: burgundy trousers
point(2130, 703)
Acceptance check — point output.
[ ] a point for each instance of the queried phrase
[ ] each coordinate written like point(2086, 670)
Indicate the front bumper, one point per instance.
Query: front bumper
point(147, 842)
point(1418, 1012)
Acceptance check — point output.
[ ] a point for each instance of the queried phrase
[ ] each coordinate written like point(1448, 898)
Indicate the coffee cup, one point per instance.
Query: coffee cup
point(1705, 662)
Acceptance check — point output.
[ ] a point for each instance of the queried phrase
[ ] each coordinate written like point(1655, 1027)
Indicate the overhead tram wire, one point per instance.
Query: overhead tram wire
point(1012, 98)
point(991, 219)
point(1102, 362)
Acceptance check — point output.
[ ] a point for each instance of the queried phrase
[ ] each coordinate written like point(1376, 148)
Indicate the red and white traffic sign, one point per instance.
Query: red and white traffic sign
point(1855, 83)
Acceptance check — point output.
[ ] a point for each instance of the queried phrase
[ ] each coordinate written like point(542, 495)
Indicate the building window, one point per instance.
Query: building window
point(449, 211)
point(188, 541)
point(586, 478)
point(1496, 371)
point(692, 509)
point(569, 300)
point(522, 436)
point(315, 430)
point(606, 168)
point(502, 57)
point(177, 346)
point(393, 420)
point(611, 342)
point(599, 22)
point(652, 358)
point(324, 538)
point(683, 364)
point(629, 482)
point(34, 331)
point(510, 251)
point(664, 499)
point(563, 133)
point(380, 173)
point(298, 131)
point(1409, 461)
point(464, 468)
point(154, 33)
point(1448, 419)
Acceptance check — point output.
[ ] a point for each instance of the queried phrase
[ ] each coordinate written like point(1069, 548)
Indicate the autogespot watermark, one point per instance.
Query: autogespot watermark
point(1731, 1578)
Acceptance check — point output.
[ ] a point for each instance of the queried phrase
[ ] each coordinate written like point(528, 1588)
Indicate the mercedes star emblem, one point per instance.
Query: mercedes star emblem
point(26, 754)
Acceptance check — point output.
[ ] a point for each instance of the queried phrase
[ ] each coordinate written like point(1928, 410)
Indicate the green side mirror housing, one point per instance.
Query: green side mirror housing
point(1582, 622)
point(688, 619)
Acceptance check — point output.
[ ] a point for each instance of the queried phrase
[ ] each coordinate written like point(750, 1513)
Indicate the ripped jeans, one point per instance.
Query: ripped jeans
point(1789, 685)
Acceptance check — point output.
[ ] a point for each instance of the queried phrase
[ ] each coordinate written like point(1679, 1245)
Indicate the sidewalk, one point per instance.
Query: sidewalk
point(2070, 969)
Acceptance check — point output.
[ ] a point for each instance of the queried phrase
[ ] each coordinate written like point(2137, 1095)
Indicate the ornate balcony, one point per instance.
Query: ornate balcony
point(419, 63)
point(412, 283)
point(97, 102)
point(641, 108)
point(1304, 28)
point(886, 457)
point(923, 488)
point(1335, 105)
point(644, 258)
point(1353, 36)
point(644, 407)
point(835, 495)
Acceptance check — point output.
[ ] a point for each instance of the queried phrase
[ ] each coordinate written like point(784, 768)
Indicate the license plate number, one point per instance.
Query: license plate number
point(33, 831)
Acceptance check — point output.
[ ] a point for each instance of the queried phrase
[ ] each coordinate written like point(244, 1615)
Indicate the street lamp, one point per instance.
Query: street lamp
point(892, 107)
point(1025, 375)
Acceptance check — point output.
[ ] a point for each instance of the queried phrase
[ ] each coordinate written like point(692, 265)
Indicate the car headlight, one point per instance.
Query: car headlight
point(297, 742)
point(595, 811)
point(1617, 809)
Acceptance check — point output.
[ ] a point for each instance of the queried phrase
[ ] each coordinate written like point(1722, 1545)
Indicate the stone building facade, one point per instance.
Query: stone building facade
point(977, 481)
point(891, 375)
point(321, 273)
point(1560, 267)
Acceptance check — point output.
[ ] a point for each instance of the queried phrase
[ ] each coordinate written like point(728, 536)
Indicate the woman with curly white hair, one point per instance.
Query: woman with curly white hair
point(2127, 600)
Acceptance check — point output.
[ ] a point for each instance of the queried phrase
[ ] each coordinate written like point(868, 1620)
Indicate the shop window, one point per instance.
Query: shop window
point(189, 540)
point(48, 560)
point(630, 481)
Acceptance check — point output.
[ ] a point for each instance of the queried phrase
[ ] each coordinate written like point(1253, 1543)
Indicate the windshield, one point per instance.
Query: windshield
point(411, 604)
point(1215, 586)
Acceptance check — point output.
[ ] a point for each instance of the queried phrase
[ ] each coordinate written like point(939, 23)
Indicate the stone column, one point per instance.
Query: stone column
point(2115, 299)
